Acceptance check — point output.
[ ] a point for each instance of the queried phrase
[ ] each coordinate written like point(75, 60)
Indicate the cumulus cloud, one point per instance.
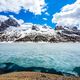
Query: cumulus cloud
point(35, 6)
point(69, 15)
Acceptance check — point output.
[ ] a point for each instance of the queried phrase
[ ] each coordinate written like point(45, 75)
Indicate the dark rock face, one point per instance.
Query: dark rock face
point(68, 34)
point(40, 38)
point(44, 27)
point(77, 32)
point(2, 38)
point(53, 39)
point(66, 38)
point(3, 26)
point(12, 22)
point(7, 38)
point(35, 28)
point(7, 23)
point(74, 28)
point(59, 28)
point(71, 35)
point(23, 39)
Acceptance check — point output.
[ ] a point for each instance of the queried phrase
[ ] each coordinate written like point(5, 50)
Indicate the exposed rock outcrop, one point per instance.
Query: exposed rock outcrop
point(40, 38)
point(35, 28)
point(70, 35)
point(53, 39)
point(7, 23)
point(59, 28)
point(26, 38)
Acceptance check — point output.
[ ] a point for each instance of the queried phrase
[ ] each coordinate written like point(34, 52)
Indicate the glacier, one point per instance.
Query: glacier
point(63, 57)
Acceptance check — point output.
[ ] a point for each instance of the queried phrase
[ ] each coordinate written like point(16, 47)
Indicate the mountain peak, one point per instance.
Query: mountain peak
point(7, 23)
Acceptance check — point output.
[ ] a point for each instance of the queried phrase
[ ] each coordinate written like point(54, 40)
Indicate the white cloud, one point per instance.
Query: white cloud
point(47, 13)
point(35, 6)
point(69, 15)
point(45, 19)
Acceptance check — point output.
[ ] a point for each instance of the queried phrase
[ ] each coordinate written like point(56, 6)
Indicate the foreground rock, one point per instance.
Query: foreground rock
point(34, 76)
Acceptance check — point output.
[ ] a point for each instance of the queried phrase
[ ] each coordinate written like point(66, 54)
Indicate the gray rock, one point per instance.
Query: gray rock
point(7, 23)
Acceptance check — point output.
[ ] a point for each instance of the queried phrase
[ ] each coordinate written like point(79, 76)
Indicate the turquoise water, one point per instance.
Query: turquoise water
point(64, 57)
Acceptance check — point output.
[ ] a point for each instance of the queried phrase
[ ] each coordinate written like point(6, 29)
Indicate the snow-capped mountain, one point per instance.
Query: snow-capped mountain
point(4, 24)
point(28, 29)
point(11, 30)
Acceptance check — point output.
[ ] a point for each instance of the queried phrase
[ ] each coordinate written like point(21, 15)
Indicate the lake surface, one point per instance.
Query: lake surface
point(62, 57)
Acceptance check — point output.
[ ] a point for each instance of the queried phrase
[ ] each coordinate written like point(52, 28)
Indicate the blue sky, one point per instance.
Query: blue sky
point(53, 6)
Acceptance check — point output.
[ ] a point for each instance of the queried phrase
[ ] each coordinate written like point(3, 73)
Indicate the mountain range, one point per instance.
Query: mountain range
point(11, 30)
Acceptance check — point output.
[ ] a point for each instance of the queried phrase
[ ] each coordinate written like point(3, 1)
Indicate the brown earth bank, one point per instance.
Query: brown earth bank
point(34, 76)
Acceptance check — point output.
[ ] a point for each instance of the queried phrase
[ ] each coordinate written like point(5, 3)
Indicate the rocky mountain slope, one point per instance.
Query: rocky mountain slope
point(11, 30)
point(7, 23)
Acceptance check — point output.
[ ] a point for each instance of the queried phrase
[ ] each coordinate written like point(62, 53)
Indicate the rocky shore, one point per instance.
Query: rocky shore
point(34, 76)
